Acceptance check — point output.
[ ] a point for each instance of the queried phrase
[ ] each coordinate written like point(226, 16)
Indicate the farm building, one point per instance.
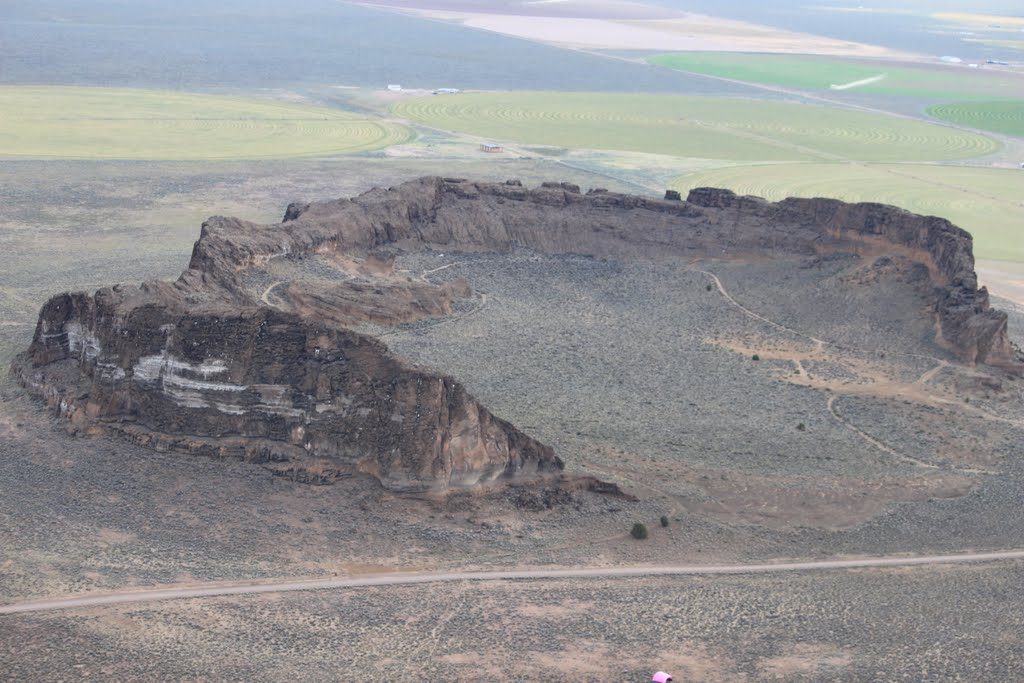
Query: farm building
point(491, 148)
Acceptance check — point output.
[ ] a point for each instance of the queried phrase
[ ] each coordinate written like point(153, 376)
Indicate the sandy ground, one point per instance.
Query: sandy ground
point(926, 624)
point(1003, 278)
point(398, 579)
point(586, 29)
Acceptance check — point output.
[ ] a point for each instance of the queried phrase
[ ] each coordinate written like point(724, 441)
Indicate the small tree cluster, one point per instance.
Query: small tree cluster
point(639, 531)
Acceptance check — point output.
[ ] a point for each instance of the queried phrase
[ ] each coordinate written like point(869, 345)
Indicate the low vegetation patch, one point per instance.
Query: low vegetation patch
point(691, 126)
point(124, 123)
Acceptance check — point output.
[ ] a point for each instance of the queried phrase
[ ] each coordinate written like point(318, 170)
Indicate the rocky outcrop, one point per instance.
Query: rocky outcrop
point(277, 388)
point(383, 303)
point(252, 352)
point(967, 323)
point(557, 218)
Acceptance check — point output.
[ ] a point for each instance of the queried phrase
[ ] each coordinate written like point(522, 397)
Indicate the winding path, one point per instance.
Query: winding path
point(831, 404)
point(818, 343)
point(403, 579)
point(929, 375)
point(265, 297)
point(921, 381)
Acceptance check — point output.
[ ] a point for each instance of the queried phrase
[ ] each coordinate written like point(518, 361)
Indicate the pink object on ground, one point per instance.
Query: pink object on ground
point(661, 677)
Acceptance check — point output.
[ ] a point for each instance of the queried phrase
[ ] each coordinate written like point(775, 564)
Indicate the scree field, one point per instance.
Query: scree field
point(704, 127)
point(102, 123)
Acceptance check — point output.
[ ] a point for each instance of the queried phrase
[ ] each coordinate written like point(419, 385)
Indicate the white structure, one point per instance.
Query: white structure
point(394, 87)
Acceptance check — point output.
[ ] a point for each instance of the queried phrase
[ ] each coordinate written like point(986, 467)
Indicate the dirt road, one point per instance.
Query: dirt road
point(496, 575)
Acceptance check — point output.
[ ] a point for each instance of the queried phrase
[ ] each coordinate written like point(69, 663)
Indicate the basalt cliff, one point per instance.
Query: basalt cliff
point(261, 350)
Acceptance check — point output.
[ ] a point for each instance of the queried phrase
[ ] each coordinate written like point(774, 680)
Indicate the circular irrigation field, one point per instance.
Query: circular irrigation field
point(1000, 117)
point(987, 202)
point(702, 127)
point(108, 123)
point(837, 74)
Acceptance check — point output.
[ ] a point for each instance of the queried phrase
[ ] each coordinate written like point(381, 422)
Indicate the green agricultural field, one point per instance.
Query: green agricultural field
point(987, 202)
point(999, 117)
point(701, 127)
point(808, 72)
point(108, 123)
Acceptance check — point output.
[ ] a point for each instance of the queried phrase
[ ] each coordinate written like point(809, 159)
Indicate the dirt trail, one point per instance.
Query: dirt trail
point(425, 273)
point(930, 374)
point(399, 579)
point(818, 343)
point(872, 440)
point(916, 390)
point(265, 297)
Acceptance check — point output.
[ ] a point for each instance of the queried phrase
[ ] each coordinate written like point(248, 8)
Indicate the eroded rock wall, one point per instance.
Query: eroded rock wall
point(558, 218)
point(967, 323)
point(275, 387)
point(204, 365)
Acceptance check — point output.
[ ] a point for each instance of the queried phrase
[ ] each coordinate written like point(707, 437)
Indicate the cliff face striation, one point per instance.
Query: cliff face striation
point(313, 401)
point(254, 351)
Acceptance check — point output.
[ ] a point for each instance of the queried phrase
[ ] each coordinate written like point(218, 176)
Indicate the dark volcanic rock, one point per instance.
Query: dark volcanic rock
point(968, 325)
point(556, 218)
point(276, 387)
point(204, 364)
point(383, 303)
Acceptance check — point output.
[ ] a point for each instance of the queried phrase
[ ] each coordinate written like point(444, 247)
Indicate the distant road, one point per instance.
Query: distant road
point(133, 596)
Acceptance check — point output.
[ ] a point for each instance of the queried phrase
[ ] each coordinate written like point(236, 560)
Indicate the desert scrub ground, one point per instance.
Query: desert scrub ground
point(642, 374)
point(81, 225)
point(932, 624)
point(637, 373)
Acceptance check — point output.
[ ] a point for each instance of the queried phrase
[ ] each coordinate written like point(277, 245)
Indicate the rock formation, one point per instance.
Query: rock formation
point(968, 325)
point(254, 353)
point(313, 400)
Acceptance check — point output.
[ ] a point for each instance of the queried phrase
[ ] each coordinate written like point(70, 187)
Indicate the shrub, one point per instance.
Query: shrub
point(755, 357)
point(708, 288)
point(664, 520)
point(639, 531)
point(801, 426)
